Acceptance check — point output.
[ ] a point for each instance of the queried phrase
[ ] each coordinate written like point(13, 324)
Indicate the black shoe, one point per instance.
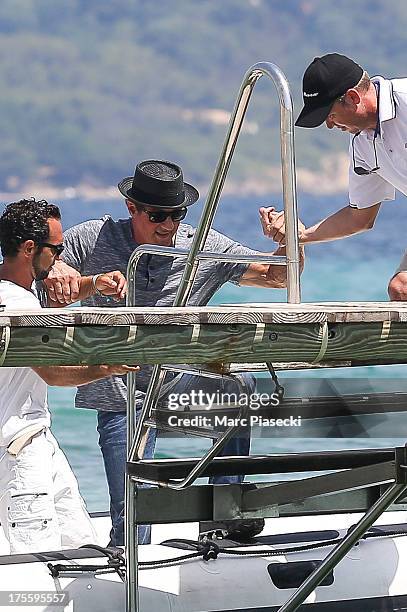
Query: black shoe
point(241, 530)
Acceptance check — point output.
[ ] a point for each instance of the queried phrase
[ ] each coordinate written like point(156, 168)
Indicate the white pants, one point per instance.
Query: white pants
point(41, 508)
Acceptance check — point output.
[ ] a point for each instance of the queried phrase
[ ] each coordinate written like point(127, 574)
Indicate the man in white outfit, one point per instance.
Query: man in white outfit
point(40, 504)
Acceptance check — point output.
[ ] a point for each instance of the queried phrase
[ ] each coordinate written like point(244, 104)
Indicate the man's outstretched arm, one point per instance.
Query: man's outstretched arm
point(75, 376)
point(345, 222)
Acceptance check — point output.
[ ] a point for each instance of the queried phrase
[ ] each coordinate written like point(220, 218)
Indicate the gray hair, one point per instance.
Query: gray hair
point(362, 86)
point(364, 83)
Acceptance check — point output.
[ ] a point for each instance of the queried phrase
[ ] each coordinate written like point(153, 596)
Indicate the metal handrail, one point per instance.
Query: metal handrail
point(288, 179)
point(150, 249)
point(292, 258)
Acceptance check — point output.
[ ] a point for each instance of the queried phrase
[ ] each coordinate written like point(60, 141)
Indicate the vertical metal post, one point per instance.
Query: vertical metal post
point(131, 544)
point(130, 527)
point(338, 553)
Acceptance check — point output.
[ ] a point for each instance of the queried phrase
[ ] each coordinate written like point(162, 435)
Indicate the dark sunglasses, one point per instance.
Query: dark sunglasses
point(159, 216)
point(358, 169)
point(56, 248)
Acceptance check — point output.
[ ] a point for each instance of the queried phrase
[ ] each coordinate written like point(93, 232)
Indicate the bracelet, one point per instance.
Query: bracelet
point(94, 279)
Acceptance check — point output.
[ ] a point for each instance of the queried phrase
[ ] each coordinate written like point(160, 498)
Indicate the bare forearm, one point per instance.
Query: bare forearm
point(277, 275)
point(346, 222)
point(71, 376)
point(269, 276)
point(65, 285)
point(86, 287)
point(85, 290)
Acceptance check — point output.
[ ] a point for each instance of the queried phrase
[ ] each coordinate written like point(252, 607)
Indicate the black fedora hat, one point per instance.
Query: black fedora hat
point(158, 183)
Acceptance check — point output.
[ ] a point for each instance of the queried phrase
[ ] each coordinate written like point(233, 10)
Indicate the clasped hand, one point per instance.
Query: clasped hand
point(65, 284)
point(273, 224)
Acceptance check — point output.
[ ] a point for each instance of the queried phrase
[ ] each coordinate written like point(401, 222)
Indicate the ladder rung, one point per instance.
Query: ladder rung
point(163, 469)
point(189, 431)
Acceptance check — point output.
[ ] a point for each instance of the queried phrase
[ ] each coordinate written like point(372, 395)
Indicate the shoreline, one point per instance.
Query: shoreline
point(332, 179)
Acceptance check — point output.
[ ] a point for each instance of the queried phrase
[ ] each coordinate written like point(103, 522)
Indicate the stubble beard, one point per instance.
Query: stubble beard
point(39, 273)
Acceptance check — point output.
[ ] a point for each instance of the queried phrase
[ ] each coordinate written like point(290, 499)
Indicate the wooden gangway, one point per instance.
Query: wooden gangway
point(331, 333)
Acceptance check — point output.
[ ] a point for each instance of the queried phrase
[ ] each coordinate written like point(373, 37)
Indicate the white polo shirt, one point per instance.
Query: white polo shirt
point(391, 147)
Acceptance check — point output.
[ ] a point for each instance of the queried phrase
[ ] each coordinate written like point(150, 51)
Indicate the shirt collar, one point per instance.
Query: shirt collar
point(387, 104)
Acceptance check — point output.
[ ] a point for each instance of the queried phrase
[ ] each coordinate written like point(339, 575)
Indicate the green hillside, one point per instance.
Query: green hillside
point(90, 86)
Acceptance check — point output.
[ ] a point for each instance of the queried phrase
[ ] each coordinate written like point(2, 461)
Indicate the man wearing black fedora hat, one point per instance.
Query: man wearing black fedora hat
point(157, 199)
point(340, 93)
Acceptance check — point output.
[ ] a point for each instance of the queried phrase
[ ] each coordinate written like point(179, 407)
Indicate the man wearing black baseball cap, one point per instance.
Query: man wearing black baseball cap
point(326, 79)
point(339, 92)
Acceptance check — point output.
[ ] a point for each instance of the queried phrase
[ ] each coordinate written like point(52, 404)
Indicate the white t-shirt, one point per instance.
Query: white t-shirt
point(391, 148)
point(23, 394)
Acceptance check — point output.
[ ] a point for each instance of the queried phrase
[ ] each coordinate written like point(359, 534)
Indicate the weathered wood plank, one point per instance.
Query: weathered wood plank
point(174, 343)
point(348, 312)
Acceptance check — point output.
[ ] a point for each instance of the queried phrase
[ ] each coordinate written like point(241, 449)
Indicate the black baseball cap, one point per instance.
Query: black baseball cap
point(325, 80)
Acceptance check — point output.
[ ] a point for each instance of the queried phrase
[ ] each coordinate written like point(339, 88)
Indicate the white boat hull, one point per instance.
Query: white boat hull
point(372, 576)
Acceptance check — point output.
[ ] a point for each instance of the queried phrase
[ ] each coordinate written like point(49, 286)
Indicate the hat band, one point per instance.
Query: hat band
point(156, 200)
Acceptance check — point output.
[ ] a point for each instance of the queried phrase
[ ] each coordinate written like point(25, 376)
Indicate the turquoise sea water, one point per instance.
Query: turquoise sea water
point(354, 269)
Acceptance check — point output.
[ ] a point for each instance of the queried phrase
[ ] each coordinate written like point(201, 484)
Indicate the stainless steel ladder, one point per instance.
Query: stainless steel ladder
point(136, 441)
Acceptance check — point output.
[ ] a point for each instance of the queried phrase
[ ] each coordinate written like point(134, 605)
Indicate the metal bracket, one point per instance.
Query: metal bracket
point(401, 464)
point(323, 336)
point(4, 343)
point(227, 504)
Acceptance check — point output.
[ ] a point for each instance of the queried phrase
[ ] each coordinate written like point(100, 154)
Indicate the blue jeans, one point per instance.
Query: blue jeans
point(112, 428)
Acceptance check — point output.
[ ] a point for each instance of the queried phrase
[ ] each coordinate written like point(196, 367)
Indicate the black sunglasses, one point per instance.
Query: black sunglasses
point(358, 169)
point(56, 248)
point(159, 216)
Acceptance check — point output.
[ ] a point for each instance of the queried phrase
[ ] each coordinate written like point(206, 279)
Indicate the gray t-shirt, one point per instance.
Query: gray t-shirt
point(104, 245)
